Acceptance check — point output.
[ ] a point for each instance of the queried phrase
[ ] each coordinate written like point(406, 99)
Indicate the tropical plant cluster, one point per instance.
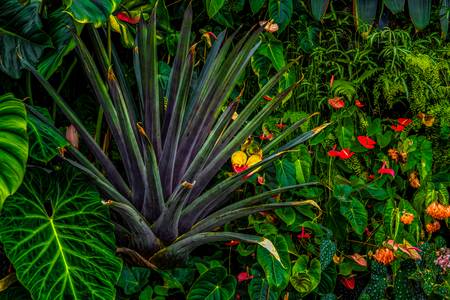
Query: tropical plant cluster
point(224, 149)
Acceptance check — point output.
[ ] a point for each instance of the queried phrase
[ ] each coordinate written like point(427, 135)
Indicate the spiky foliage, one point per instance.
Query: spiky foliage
point(170, 154)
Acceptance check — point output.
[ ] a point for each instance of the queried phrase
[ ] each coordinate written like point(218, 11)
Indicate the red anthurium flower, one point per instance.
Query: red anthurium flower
point(243, 276)
point(346, 153)
point(268, 98)
point(384, 170)
point(336, 103)
point(280, 125)
point(123, 16)
point(371, 177)
point(268, 136)
point(359, 104)
point(303, 234)
point(404, 121)
point(366, 142)
point(333, 152)
point(331, 81)
point(398, 128)
point(232, 243)
point(348, 282)
point(239, 169)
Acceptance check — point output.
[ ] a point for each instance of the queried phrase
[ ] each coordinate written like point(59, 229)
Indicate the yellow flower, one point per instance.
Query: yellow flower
point(254, 159)
point(239, 158)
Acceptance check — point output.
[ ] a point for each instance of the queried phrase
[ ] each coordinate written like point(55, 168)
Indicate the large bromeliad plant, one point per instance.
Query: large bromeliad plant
point(172, 146)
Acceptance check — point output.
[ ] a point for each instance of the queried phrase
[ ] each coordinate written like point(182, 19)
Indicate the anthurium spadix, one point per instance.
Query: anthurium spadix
point(172, 145)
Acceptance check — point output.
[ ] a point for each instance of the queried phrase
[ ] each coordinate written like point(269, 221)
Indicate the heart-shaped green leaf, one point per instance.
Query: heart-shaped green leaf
point(91, 11)
point(277, 273)
point(13, 145)
point(20, 34)
point(213, 7)
point(62, 245)
point(305, 278)
point(213, 284)
point(356, 214)
point(281, 12)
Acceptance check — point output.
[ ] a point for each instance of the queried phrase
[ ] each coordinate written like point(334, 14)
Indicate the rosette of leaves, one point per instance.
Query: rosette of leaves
point(172, 146)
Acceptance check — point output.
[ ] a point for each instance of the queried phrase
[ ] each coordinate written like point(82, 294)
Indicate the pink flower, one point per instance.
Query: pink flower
point(243, 276)
point(366, 142)
point(336, 103)
point(72, 136)
point(384, 170)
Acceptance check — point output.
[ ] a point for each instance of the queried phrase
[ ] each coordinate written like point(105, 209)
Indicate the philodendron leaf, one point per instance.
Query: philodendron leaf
point(355, 213)
point(96, 12)
point(20, 35)
point(59, 25)
point(277, 271)
point(57, 234)
point(213, 7)
point(281, 12)
point(214, 284)
point(44, 139)
point(305, 278)
point(13, 145)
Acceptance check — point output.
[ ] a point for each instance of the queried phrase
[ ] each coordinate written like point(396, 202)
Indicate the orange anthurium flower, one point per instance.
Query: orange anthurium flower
point(336, 103)
point(366, 142)
point(359, 104)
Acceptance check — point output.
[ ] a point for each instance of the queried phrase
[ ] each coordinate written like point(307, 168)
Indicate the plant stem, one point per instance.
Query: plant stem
point(28, 87)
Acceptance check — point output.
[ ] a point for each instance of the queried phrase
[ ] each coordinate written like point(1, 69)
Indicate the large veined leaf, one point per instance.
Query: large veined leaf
point(45, 141)
point(59, 25)
point(305, 278)
point(285, 172)
point(318, 8)
point(62, 245)
point(213, 7)
point(20, 34)
point(277, 273)
point(96, 12)
point(273, 50)
point(356, 214)
point(259, 288)
point(281, 12)
point(365, 11)
point(395, 6)
point(420, 13)
point(256, 5)
point(214, 284)
point(13, 145)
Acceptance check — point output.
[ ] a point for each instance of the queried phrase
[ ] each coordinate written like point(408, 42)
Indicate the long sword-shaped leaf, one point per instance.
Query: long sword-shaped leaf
point(174, 79)
point(182, 248)
point(318, 8)
point(364, 12)
point(395, 6)
point(218, 220)
point(420, 13)
point(111, 171)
